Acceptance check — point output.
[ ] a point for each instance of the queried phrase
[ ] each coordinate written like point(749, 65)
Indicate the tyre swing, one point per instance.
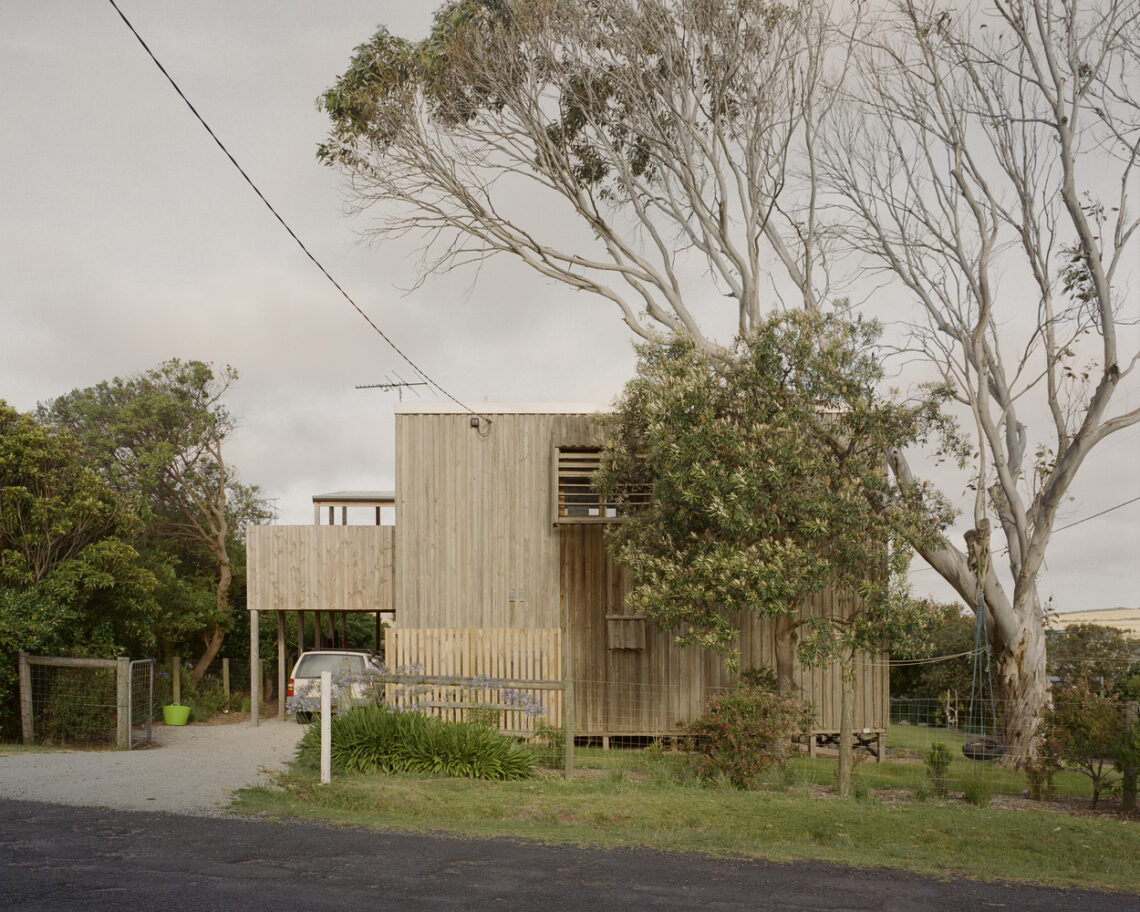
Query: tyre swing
point(984, 746)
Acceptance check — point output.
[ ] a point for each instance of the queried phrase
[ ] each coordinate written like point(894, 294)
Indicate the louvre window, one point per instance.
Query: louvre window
point(577, 502)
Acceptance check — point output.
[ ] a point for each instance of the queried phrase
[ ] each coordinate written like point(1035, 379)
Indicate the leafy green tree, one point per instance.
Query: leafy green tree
point(70, 581)
point(940, 661)
point(1090, 653)
point(767, 483)
point(158, 438)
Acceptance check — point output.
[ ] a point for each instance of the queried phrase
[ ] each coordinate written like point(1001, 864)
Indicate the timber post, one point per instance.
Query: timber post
point(226, 678)
point(27, 726)
point(254, 668)
point(176, 680)
point(281, 671)
point(568, 722)
point(122, 703)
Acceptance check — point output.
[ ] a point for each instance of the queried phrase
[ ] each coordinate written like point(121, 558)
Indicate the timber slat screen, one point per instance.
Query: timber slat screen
point(497, 655)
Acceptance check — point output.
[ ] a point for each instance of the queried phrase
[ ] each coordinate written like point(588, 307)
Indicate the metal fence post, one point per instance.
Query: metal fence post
point(27, 726)
point(1131, 719)
point(123, 703)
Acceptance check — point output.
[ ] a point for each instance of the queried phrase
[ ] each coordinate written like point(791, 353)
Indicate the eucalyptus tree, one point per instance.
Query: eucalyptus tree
point(667, 129)
point(986, 160)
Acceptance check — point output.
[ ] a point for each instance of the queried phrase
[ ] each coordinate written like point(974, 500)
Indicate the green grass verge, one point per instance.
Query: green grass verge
point(635, 798)
point(15, 748)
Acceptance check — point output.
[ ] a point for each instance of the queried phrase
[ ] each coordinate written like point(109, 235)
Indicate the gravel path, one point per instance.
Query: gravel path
point(187, 770)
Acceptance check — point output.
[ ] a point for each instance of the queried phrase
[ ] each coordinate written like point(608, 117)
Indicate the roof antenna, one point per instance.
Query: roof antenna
point(399, 384)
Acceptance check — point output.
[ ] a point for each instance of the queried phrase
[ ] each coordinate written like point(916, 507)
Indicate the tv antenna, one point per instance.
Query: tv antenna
point(394, 382)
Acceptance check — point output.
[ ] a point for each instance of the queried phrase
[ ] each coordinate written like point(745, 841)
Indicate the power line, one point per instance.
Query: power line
point(1076, 522)
point(1095, 515)
point(268, 205)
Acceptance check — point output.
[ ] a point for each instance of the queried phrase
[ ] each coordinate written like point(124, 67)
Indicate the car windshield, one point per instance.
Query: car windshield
point(312, 665)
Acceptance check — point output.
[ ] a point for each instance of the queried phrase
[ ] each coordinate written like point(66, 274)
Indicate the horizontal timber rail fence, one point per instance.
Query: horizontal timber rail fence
point(69, 700)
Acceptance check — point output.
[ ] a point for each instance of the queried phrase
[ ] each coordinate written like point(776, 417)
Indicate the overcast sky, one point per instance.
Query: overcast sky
point(127, 238)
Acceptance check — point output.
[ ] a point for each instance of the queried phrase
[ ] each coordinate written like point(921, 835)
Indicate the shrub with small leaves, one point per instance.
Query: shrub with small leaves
point(1086, 730)
point(744, 732)
point(549, 744)
point(761, 676)
point(1040, 769)
point(937, 766)
point(977, 789)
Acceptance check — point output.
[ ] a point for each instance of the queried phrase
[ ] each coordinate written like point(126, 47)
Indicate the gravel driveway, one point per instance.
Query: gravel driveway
point(187, 770)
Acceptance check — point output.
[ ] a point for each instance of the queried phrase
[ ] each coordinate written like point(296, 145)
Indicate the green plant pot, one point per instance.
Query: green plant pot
point(175, 714)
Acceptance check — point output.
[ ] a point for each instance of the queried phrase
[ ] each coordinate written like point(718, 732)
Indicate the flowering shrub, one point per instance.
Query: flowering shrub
point(743, 733)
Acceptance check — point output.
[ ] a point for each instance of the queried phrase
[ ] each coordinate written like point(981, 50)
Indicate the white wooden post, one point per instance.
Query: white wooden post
point(326, 727)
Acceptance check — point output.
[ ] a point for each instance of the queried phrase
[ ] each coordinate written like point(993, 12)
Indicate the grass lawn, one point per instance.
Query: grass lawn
point(647, 798)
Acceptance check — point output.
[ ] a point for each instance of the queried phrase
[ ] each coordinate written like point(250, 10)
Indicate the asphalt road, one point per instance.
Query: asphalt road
point(55, 857)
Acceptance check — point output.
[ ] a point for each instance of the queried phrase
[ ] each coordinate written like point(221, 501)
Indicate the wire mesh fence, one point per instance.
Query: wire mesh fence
point(74, 704)
point(85, 701)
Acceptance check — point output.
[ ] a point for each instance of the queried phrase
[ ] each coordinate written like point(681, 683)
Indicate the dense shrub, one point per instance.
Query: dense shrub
point(761, 676)
point(743, 733)
point(1127, 686)
point(78, 706)
point(377, 738)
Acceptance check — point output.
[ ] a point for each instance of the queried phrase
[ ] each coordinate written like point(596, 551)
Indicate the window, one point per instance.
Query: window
point(576, 500)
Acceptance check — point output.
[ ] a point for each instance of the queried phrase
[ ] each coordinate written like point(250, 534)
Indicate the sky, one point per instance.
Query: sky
point(127, 238)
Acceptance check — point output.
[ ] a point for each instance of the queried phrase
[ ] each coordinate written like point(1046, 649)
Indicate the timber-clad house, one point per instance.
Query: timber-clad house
point(497, 566)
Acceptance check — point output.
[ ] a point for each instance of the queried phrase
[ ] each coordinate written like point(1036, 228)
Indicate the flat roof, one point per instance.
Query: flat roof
point(349, 497)
point(501, 408)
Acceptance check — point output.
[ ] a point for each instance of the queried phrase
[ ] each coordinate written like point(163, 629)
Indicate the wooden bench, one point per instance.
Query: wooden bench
point(868, 739)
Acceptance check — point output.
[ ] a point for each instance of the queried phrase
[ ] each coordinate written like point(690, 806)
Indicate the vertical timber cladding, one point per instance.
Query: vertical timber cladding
point(650, 690)
point(476, 548)
point(320, 568)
